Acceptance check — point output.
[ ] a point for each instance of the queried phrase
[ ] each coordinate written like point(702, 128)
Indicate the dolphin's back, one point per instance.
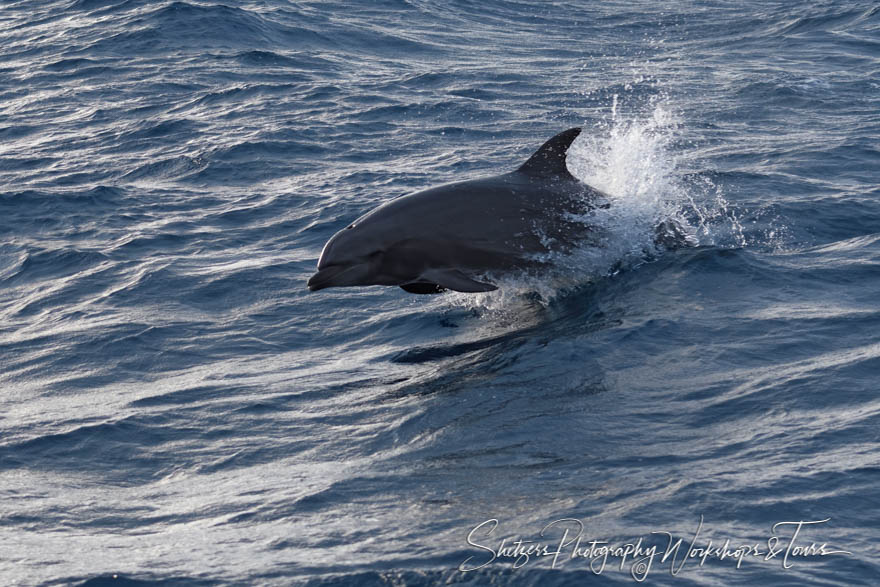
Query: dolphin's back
point(511, 213)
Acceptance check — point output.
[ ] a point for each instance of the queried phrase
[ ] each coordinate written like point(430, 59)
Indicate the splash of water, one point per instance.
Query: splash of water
point(632, 159)
point(633, 163)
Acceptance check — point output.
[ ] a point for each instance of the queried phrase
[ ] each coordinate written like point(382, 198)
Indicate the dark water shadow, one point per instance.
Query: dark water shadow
point(574, 312)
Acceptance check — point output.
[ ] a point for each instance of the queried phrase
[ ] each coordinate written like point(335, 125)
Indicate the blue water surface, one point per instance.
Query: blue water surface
point(177, 408)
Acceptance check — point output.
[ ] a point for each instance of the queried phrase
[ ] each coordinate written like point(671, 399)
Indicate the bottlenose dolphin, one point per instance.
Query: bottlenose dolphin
point(450, 237)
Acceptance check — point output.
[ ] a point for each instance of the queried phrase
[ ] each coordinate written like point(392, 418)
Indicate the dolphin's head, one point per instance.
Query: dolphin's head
point(353, 256)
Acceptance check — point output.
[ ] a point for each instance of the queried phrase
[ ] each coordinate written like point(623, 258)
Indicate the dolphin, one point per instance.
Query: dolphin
point(450, 237)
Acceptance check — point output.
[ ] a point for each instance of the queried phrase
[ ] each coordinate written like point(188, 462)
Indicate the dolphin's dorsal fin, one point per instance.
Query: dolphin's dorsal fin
point(550, 158)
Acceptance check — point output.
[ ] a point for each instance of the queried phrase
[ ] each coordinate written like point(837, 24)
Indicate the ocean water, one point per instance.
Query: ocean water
point(177, 408)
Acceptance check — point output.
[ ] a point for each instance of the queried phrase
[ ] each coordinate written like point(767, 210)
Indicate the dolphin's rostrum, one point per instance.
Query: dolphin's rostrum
point(450, 237)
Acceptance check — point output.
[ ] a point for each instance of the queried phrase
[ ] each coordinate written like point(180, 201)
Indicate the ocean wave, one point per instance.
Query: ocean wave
point(171, 170)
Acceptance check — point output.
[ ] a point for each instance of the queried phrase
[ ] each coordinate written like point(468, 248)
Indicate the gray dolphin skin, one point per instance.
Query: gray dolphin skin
point(449, 237)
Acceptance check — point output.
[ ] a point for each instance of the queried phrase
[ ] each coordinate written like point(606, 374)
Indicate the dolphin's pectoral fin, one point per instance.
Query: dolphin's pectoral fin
point(549, 160)
point(422, 287)
point(456, 280)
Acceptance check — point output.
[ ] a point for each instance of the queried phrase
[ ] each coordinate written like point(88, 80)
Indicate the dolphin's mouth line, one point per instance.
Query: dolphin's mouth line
point(329, 276)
